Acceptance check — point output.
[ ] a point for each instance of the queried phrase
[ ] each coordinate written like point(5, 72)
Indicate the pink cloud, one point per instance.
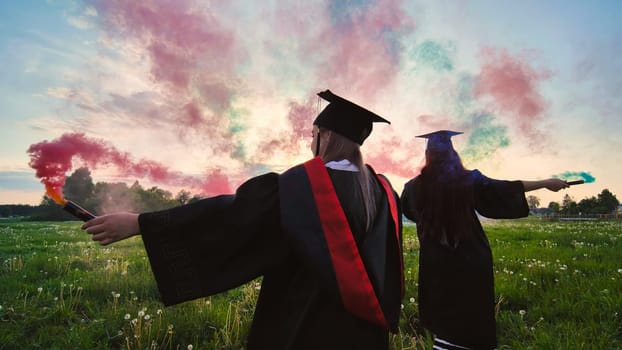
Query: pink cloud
point(53, 159)
point(513, 84)
point(363, 53)
point(193, 57)
point(300, 117)
point(358, 53)
point(384, 159)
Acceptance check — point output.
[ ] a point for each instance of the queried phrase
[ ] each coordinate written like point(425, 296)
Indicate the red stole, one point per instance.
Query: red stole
point(355, 288)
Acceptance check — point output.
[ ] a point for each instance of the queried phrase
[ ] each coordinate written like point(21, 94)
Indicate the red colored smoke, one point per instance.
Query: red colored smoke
point(53, 159)
point(513, 85)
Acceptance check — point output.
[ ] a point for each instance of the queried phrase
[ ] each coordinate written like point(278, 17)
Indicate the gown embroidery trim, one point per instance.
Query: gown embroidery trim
point(355, 288)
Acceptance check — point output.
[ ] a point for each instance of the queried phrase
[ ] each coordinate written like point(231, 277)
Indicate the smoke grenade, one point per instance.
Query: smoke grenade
point(77, 211)
point(576, 182)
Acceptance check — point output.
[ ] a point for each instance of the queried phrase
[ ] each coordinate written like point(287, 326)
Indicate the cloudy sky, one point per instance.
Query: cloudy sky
point(202, 94)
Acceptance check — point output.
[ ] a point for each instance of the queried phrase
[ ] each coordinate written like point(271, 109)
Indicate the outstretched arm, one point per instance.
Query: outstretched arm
point(550, 184)
point(112, 228)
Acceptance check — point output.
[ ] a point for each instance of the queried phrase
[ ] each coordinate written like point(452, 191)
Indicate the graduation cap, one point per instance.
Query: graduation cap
point(440, 140)
point(346, 118)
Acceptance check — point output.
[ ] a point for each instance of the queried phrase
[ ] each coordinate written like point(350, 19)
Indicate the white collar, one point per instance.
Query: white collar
point(343, 164)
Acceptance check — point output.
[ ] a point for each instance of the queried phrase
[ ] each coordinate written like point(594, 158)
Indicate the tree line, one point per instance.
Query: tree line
point(100, 197)
point(605, 203)
point(103, 197)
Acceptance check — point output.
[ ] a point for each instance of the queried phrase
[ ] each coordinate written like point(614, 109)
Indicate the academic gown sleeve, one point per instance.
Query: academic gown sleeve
point(499, 199)
point(217, 243)
point(408, 200)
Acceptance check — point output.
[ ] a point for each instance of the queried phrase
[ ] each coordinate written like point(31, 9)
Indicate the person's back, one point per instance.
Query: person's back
point(298, 309)
point(456, 280)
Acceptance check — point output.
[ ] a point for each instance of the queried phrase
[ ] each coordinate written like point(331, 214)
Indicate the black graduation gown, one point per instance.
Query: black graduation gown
point(456, 285)
point(219, 243)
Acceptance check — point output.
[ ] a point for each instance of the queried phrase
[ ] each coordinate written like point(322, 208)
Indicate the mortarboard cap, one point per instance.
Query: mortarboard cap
point(440, 140)
point(346, 118)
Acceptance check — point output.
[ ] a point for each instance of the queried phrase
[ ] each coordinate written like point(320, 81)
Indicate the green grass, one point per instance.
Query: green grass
point(559, 286)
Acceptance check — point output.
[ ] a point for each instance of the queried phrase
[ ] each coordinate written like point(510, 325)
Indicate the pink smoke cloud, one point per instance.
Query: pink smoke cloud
point(300, 117)
point(513, 85)
point(53, 159)
point(384, 159)
point(193, 58)
point(363, 53)
point(359, 53)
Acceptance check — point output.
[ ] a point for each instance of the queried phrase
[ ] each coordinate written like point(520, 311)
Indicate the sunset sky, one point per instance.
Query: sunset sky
point(202, 95)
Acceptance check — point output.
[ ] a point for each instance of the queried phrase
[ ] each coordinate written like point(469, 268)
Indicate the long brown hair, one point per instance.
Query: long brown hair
point(339, 147)
point(445, 203)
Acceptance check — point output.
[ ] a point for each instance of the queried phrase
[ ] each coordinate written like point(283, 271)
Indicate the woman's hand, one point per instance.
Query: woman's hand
point(551, 184)
point(112, 228)
point(555, 184)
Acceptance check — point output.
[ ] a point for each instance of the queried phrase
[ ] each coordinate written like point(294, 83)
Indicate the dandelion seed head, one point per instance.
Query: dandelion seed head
point(147, 317)
point(127, 316)
point(159, 312)
point(522, 312)
point(40, 289)
point(189, 346)
point(141, 313)
point(402, 306)
point(412, 300)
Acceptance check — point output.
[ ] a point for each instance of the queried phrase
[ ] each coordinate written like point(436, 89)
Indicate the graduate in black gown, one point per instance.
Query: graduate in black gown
point(456, 286)
point(325, 235)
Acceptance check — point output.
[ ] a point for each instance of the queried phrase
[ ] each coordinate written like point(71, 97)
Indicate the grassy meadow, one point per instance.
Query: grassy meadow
point(558, 286)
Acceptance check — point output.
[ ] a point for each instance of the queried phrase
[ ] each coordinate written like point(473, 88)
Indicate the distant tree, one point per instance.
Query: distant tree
point(589, 206)
point(195, 198)
point(554, 207)
point(79, 188)
point(6, 211)
point(569, 206)
point(113, 197)
point(154, 199)
point(533, 202)
point(183, 196)
point(607, 201)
